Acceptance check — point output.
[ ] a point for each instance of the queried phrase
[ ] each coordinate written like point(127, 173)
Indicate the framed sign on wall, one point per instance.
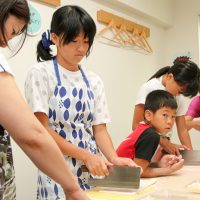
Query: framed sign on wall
point(51, 2)
point(35, 24)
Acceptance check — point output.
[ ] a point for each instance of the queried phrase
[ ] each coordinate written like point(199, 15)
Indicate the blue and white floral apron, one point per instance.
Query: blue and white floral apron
point(71, 113)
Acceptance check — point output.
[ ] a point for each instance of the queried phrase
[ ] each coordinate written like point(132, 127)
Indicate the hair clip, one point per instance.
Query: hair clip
point(46, 39)
point(181, 59)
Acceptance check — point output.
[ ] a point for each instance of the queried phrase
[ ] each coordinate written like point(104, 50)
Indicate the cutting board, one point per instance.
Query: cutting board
point(146, 186)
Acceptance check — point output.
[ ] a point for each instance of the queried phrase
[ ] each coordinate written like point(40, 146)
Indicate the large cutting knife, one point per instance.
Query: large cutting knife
point(121, 177)
point(191, 157)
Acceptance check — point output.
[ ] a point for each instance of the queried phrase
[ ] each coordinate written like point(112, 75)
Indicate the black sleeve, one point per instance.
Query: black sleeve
point(147, 144)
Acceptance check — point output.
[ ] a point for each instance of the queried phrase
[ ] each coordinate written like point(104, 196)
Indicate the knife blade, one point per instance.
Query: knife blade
point(123, 177)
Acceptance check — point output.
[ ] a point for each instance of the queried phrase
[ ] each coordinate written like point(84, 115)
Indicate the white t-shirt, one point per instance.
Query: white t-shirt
point(156, 84)
point(4, 66)
point(41, 82)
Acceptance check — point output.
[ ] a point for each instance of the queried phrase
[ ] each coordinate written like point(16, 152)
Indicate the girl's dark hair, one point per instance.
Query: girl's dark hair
point(67, 23)
point(17, 8)
point(185, 72)
point(158, 99)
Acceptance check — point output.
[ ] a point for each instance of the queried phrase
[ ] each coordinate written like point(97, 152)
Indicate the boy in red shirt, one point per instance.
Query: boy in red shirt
point(141, 145)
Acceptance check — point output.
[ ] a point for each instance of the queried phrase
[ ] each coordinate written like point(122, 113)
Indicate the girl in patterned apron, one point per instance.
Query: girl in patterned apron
point(70, 102)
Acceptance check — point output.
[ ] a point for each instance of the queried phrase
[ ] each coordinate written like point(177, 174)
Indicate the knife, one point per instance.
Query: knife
point(120, 177)
point(191, 157)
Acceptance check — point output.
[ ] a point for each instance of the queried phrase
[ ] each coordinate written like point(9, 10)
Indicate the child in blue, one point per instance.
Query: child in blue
point(70, 101)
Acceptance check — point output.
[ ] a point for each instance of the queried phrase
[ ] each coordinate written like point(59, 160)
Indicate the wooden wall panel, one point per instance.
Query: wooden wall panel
point(51, 2)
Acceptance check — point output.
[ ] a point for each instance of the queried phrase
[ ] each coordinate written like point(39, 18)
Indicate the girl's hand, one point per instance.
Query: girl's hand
point(119, 161)
point(96, 165)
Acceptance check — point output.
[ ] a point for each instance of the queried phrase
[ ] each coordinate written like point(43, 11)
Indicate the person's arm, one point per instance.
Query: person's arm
point(95, 164)
point(29, 134)
point(183, 134)
point(170, 147)
point(138, 115)
point(192, 123)
point(105, 144)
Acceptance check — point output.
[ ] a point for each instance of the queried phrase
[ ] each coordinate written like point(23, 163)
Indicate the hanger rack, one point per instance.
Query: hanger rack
point(123, 32)
point(51, 2)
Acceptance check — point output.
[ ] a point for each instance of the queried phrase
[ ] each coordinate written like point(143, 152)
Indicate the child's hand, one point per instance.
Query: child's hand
point(176, 166)
point(168, 160)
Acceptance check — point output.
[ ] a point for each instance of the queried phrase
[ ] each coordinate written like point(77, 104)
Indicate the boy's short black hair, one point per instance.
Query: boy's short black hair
point(158, 99)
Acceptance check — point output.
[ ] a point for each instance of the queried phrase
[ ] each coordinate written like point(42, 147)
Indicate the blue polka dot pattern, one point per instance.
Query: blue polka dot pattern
point(45, 192)
point(62, 92)
point(84, 106)
point(74, 92)
point(80, 183)
point(62, 134)
point(80, 134)
point(50, 113)
point(67, 103)
point(73, 125)
point(42, 192)
point(56, 189)
point(81, 144)
point(80, 93)
point(78, 106)
point(66, 115)
point(79, 172)
point(56, 91)
point(74, 162)
point(54, 115)
point(74, 134)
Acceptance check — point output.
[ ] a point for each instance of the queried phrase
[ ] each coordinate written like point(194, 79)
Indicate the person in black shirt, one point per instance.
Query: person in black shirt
point(142, 145)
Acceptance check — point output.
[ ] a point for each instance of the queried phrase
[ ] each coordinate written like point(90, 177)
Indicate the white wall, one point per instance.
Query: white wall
point(122, 71)
point(158, 11)
point(183, 37)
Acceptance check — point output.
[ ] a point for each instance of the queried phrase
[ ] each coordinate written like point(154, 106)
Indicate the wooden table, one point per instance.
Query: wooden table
point(171, 187)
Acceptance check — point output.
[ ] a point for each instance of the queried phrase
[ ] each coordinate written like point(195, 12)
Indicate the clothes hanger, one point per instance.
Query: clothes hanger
point(145, 42)
point(114, 30)
point(121, 32)
point(136, 39)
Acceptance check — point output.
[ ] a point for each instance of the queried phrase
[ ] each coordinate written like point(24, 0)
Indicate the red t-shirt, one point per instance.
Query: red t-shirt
point(141, 143)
